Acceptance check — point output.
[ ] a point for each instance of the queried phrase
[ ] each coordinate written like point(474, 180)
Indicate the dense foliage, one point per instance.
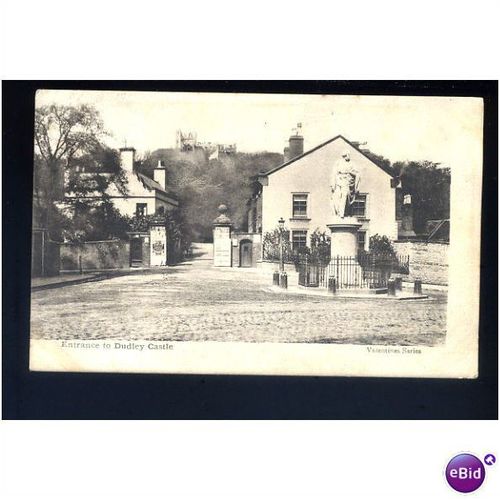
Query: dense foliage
point(271, 242)
point(202, 184)
point(92, 222)
point(320, 246)
point(427, 182)
point(381, 245)
point(317, 252)
point(429, 185)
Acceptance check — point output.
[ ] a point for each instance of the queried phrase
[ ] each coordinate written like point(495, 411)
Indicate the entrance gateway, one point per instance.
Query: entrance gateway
point(246, 253)
point(222, 227)
point(136, 252)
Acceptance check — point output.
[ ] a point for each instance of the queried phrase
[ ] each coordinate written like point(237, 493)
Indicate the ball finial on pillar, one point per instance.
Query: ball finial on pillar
point(222, 218)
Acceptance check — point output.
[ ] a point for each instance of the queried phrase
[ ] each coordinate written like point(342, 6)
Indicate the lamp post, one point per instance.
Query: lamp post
point(281, 226)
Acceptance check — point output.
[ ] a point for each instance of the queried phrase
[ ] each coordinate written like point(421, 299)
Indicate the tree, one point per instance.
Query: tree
point(320, 247)
point(427, 182)
point(429, 185)
point(98, 222)
point(381, 245)
point(271, 243)
point(63, 133)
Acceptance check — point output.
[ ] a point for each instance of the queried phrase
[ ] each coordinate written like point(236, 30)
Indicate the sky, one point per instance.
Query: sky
point(446, 130)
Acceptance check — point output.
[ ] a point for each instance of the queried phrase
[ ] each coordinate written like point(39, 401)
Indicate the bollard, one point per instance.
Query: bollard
point(284, 280)
point(417, 287)
point(276, 278)
point(332, 285)
point(391, 287)
point(399, 283)
point(80, 264)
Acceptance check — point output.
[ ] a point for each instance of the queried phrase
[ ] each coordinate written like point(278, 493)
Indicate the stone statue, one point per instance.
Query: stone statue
point(344, 185)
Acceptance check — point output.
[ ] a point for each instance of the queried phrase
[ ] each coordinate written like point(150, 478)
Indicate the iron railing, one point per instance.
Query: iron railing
point(362, 271)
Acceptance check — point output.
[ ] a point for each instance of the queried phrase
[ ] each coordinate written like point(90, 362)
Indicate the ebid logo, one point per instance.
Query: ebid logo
point(465, 472)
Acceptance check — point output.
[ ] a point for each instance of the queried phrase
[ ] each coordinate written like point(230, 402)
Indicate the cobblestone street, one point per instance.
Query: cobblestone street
point(196, 302)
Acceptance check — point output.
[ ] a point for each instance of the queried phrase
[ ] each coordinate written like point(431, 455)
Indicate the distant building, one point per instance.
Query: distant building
point(185, 141)
point(188, 141)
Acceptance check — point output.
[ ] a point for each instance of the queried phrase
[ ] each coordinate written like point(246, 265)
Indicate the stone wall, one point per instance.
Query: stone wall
point(428, 261)
point(113, 254)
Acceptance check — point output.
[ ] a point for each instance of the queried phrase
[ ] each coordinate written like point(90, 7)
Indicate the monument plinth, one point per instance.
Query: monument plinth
point(222, 227)
point(344, 239)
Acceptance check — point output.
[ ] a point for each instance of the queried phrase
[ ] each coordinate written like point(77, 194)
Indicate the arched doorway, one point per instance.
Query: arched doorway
point(246, 253)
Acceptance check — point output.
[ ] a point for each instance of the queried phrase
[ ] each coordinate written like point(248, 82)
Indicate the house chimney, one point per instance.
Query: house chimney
point(296, 143)
point(127, 158)
point(160, 175)
point(286, 154)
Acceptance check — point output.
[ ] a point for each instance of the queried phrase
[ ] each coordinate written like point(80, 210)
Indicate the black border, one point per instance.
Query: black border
point(32, 395)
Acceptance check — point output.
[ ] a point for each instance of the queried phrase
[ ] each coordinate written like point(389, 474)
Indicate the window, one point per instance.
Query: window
point(299, 240)
point(300, 205)
point(141, 209)
point(358, 206)
point(361, 240)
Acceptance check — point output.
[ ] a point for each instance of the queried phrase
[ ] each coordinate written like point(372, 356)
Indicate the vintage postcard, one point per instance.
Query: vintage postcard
point(272, 234)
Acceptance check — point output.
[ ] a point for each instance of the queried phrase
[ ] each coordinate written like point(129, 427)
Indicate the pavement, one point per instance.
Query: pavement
point(47, 282)
point(66, 279)
point(362, 294)
point(197, 302)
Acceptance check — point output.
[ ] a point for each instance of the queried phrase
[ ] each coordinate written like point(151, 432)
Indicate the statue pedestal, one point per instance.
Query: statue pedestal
point(344, 239)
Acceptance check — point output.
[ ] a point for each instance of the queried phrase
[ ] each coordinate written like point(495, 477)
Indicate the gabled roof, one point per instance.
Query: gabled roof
point(151, 184)
point(387, 170)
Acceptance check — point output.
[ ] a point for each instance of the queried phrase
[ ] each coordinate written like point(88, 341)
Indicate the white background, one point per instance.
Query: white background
point(240, 460)
point(255, 40)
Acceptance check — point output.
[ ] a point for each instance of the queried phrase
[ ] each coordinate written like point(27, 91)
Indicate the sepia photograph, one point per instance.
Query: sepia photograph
point(255, 233)
point(249, 252)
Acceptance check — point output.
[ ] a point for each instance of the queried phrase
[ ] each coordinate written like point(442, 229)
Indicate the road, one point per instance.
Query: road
point(194, 301)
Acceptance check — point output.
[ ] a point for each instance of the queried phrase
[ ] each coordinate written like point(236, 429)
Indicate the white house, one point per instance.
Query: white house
point(144, 196)
point(300, 191)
